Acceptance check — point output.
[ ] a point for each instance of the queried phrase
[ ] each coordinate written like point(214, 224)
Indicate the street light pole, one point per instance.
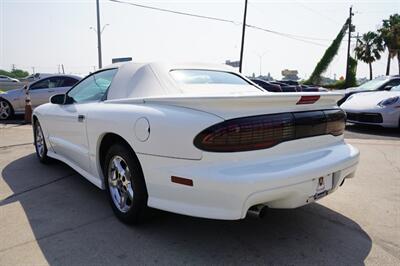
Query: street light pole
point(243, 33)
point(99, 35)
point(260, 57)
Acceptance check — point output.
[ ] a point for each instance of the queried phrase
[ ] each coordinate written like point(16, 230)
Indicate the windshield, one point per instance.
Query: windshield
point(197, 76)
point(373, 84)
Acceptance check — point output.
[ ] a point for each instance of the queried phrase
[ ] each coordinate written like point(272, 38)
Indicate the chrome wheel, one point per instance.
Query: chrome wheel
point(39, 141)
point(5, 110)
point(120, 183)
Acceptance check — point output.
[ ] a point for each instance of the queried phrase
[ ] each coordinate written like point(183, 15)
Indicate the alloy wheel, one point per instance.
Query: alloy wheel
point(5, 110)
point(39, 141)
point(120, 184)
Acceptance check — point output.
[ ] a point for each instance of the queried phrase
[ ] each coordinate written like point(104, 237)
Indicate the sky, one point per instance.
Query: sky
point(44, 34)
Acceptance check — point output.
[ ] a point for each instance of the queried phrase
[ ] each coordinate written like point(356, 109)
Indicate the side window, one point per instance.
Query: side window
point(55, 82)
point(93, 87)
point(393, 82)
point(42, 84)
point(68, 82)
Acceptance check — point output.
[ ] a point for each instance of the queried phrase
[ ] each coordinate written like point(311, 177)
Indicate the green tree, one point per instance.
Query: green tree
point(369, 49)
point(390, 33)
point(328, 56)
point(15, 73)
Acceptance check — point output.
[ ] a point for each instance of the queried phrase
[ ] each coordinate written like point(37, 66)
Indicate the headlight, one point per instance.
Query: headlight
point(388, 101)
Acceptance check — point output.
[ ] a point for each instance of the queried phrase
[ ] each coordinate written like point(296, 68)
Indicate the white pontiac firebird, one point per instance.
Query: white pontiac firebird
point(195, 139)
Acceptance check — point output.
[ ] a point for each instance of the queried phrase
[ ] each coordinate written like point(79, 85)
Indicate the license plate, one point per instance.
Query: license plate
point(323, 185)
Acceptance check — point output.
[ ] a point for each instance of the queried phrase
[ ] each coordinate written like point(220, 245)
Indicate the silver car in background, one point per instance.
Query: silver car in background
point(13, 101)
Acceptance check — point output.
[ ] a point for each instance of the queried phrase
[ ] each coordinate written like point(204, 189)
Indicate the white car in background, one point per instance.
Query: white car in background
point(13, 101)
point(374, 108)
point(7, 79)
point(195, 139)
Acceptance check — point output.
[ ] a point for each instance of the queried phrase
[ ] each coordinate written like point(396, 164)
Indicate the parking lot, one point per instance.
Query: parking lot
point(52, 215)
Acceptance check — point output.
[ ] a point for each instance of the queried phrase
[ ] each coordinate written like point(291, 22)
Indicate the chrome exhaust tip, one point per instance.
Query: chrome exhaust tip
point(257, 211)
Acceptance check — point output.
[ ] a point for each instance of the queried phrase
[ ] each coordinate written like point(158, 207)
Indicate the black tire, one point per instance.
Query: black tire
point(4, 103)
point(41, 154)
point(137, 212)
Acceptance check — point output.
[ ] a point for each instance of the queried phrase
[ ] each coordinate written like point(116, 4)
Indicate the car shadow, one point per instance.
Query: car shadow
point(72, 223)
point(15, 120)
point(371, 130)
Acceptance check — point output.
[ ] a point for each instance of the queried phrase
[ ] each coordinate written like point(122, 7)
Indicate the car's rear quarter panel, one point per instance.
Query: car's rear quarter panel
point(172, 129)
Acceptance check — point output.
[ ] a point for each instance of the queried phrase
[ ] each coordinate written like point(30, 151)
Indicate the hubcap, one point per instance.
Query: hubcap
point(5, 110)
point(39, 141)
point(120, 184)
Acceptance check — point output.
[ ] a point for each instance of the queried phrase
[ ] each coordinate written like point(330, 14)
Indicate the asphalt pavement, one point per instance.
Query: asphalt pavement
point(49, 214)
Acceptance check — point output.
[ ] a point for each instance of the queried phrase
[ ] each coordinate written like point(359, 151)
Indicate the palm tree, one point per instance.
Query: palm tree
point(390, 33)
point(369, 49)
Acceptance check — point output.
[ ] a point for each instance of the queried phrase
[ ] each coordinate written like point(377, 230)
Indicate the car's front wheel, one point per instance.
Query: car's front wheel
point(40, 143)
point(6, 110)
point(125, 184)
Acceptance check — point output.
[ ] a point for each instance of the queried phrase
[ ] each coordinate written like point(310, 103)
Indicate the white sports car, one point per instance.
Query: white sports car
point(194, 139)
point(374, 108)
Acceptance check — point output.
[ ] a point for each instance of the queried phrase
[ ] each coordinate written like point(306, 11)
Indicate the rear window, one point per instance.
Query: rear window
point(196, 76)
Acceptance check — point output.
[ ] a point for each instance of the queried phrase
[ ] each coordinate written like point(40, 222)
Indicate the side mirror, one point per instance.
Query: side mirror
point(387, 88)
point(57, 99)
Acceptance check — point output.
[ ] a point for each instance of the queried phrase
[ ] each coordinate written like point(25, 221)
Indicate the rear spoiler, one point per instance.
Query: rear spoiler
point(241, 105)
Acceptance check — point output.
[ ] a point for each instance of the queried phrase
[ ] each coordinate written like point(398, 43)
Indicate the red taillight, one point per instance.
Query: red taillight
point(241, 134)
point(309, 99)
point(265, 131)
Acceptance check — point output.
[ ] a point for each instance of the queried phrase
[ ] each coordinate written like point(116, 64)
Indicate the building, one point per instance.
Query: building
point(290, 74)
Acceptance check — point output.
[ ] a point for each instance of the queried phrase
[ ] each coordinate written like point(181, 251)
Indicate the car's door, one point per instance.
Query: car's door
point(67, 122)
point(40, 91)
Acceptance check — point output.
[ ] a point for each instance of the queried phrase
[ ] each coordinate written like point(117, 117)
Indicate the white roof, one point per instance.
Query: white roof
point(137, 80)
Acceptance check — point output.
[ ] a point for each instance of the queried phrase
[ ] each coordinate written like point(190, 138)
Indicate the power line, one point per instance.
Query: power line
point(317, 12)
point(290, 36)
point(287, 35)
point(175, 12)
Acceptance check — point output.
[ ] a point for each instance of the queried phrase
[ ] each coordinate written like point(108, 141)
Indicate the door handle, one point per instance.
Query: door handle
point(81, 118)
point(50, 90)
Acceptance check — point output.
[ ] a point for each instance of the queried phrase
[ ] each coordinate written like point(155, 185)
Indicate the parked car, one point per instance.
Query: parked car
point(13, 101)
point(286, 87)
point(266, 85)
point(374, 108)
point(7, 79)
point(302, 87)
point(289, 82)
point(195, 139)
point(36, 76)
point(377, 84)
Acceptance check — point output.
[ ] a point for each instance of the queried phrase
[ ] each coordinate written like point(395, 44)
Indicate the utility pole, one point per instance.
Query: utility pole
point(243, 33)
point(33, 70)
point(348, 46)
point(99, 34)
point(62, 67)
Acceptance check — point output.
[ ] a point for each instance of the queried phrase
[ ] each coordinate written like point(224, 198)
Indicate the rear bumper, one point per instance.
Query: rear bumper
point(227, 189)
